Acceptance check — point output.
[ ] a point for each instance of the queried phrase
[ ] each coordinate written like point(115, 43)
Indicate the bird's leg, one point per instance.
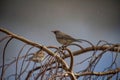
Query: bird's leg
point(62, 50)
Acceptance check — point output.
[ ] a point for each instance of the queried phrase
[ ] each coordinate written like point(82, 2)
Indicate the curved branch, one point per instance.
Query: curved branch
point(3, 62)
point(99, 73)
point(71, 59)
point(72, 75)
point(116, 48)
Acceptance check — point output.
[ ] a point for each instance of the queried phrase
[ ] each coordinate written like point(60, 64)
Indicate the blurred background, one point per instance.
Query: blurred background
point(92, 20)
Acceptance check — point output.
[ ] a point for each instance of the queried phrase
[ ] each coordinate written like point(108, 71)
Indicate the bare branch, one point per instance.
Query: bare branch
point(99, 73)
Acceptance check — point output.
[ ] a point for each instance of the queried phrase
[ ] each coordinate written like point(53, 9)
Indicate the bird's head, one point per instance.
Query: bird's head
point(55, 31)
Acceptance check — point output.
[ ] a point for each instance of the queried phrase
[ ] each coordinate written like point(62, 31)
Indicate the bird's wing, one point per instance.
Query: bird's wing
point(69, 37)
point(64, 36)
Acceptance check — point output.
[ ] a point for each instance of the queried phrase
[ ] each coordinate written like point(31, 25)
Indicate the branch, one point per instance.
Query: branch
point(99, 73)
point(116, 48)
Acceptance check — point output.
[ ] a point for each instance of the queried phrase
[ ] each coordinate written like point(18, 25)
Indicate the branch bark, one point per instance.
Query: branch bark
point(99, 73)
point(116, 48)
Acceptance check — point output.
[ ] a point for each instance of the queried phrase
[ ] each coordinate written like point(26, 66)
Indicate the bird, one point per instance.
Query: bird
point(37, 56)
point(64, 38)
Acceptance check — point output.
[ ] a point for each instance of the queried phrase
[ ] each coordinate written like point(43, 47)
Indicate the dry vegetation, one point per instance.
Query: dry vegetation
point(54, 65)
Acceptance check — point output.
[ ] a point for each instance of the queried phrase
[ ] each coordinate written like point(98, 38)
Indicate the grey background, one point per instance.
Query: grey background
point(92, 20)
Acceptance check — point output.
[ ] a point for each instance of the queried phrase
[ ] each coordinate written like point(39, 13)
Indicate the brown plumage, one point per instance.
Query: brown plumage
point(63, 38)
point(37, 57)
